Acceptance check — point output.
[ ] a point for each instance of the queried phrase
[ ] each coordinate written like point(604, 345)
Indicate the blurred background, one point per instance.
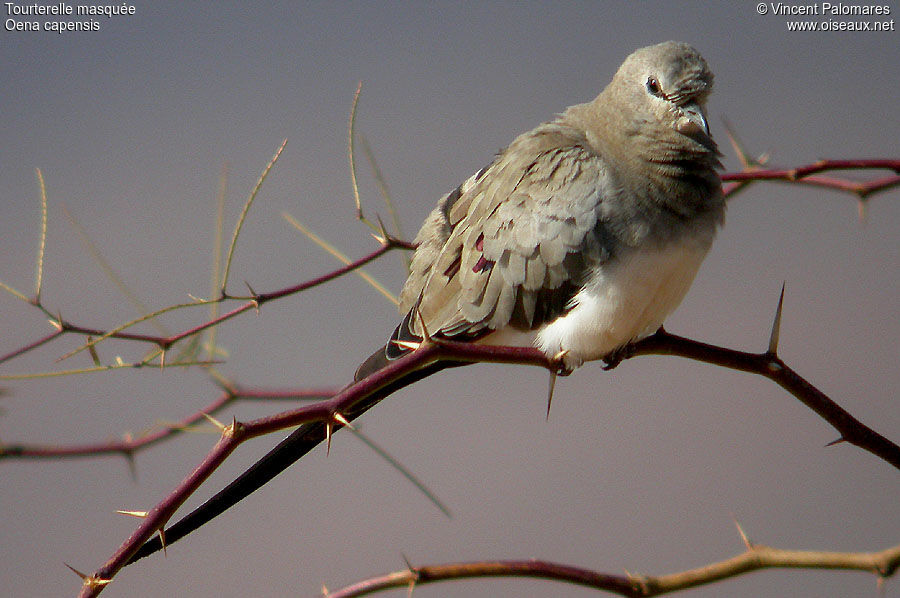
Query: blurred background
point(644, 468)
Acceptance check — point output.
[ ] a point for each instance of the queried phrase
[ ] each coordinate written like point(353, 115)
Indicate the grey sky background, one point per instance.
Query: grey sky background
point(643, 468)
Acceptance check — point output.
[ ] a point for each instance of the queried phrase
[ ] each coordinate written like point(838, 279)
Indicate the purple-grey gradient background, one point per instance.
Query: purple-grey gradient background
point(644, 468)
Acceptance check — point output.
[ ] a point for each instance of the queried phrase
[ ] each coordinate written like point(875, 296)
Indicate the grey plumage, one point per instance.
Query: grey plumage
point(585, 232)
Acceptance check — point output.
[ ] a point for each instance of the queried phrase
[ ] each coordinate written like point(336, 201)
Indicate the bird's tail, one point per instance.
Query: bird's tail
point(372, 364)
point(286, 453)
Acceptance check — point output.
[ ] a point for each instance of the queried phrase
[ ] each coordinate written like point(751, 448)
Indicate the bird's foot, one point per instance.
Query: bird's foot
point(616, 357)
point(565, 363)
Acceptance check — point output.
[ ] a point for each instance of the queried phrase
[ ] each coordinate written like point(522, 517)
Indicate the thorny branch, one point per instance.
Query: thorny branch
point(756, 557)
point(357, 398)
point(127, 446)
point(129, 443)
point(805, 175)
point(352, 401)
point(254, 302)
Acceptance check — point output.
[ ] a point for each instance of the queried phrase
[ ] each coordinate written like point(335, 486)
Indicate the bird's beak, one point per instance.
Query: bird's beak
point(693, 121)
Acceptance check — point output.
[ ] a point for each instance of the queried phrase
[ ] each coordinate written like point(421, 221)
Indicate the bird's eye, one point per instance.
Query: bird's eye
point(653, 86)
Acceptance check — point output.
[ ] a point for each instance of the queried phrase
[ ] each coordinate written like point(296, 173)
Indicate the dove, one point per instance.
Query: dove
point(580, 237)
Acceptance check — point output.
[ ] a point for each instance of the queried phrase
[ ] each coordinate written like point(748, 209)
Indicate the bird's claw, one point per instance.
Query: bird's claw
point(560, 364)
point(616, 357)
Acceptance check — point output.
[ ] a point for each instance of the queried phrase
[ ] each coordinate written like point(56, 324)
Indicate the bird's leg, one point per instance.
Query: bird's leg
point(615, 358)
point(624, 352)
point(560, 366)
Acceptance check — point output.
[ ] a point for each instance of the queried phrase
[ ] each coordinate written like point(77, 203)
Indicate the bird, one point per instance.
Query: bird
point(584, 233)
point(580, 237)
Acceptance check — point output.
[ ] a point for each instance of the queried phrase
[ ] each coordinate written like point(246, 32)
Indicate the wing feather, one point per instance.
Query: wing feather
point(505, 248)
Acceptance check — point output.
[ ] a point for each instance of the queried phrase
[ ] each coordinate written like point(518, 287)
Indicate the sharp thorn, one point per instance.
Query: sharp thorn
point(132, 466)
point(550, 388)
point(745, 161)
point(776, 324)
point(329, 428)
point(92, 350)
point(138, 514)
point(77, 572)
point(254, 297)
point(222, 427)
point(838, 441)
point(862, 211)
point(412, 346)
point(342, 420)
point(88, 580)
point(381, 229)
point(409, 564)
point(743, 535)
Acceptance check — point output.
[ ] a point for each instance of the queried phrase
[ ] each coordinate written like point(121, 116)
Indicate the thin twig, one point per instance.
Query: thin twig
point(109, 271)
point(351, 154)
point(244, 211)
point(382, 186)
point(341, 257)
point(129, 444)
point(39, 276)
point(215, 282)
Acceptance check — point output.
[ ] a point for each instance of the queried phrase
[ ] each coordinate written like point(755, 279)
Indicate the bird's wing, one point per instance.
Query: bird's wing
point(510, 246)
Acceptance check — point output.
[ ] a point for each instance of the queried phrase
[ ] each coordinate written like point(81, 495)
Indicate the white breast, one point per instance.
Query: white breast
point(622, 302)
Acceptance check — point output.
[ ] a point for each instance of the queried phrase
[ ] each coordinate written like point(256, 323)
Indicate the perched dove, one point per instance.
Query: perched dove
point(581, 236)
point(586, 232)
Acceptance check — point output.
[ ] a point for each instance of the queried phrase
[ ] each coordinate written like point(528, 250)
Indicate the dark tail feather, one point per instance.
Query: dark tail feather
point(391, 351)
point(372, 364)
point(287, 452)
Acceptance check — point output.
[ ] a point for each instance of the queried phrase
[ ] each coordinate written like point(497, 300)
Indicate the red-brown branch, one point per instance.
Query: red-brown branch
point(805, 175)
point(165, 342)
point(351, 402)
point(128, 444)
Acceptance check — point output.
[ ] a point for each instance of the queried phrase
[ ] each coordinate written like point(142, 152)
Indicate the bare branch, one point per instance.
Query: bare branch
point(128, 444)
point(803, 175)
point(799, 175)
point(389, 244)
point(431, 355)
point(883, 564)
point(361, 396)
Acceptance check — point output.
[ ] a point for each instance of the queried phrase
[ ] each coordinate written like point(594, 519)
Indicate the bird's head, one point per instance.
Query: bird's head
point(667, 84)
